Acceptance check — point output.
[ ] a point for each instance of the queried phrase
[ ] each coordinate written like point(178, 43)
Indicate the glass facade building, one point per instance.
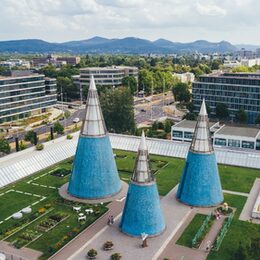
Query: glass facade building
point(21, 95)
point(236, 90)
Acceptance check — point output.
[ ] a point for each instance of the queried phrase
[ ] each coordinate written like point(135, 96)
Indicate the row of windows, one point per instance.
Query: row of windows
point(238, 81)
point(41, 102)
point(20, 80)
point(235, 143)
point(237, 88)
point(39, 84)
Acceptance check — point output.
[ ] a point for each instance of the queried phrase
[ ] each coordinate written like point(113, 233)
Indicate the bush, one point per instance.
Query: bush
point(39, 147)
point(92, 253)
point(41, 210)
point(22, 145)
point(69, 137)
point(116, 256)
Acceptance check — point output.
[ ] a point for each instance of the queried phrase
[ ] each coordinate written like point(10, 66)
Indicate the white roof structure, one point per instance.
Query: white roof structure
point(16, 166)
point(201, 141)
point(94, 124)
point(142, 172)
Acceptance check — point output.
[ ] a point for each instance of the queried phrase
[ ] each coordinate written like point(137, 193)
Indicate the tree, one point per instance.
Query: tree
point(257, 120)
point(241, 115)
point(222, 110)
point(181, 92)
point(167, 126)
point(30, 137)
point(4, 146)
point(145, 80)
point(118, 110)
point(190, 116)
point(58, 128)
point(130, 82)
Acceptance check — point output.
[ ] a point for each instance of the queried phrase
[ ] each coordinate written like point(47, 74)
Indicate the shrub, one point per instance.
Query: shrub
point(41, 210)
point(39, 147)
point(22, 145)
point(108, 245)
point(92, 253)
point(116, 256)
point(69, 137)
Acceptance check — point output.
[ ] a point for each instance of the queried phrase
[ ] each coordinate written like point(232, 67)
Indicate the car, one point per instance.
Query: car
point(143, 110)
point(76, 120)
point(62, 118)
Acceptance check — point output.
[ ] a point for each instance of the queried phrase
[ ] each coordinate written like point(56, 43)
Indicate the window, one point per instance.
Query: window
point(220, 141)
point(247, 144)
point(257, 144)
point(188, 135)
point(233, 143)
point(178, 134)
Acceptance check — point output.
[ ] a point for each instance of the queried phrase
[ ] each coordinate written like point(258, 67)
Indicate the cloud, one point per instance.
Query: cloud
point(210, 9)
point(178, 20)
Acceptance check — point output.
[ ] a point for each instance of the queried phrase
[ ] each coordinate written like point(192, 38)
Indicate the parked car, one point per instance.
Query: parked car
point(8, 137)
point(76, 120)
point(143, 110)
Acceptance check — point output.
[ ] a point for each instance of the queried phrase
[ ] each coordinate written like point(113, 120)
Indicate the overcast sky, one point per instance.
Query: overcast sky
point(236, 21)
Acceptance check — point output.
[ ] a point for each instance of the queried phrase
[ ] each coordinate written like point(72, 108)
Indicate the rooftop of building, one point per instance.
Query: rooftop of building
point(238, 75)
point(109, 68)
point(19, 74)
point(191, 124)
point(239, 131)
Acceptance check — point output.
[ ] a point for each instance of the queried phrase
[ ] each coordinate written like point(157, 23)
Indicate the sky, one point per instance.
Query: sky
point(236, 21)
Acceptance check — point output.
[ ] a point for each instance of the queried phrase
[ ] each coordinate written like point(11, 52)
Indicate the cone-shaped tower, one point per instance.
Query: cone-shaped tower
point(142, 212)
point(94, 174)
point(200, 184)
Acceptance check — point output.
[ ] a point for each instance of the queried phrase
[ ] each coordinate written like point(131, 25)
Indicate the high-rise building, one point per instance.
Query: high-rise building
point(200, 183)
point(24, 93)
point(94, 174)
point(236, 90)
point(142, 211)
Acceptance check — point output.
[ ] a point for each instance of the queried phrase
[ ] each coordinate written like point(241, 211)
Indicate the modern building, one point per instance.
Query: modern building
point(24, 93)
point(107, 76)
point(142, 211)
point(236, 90)
point(200, 183)
point(15, 63)
point(94, 173)
point(55, 60)
point(232, 137)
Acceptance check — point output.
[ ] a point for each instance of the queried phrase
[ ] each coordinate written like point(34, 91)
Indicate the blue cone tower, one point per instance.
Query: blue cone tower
point(142, 211)
point(94, 174)
point(200, 183)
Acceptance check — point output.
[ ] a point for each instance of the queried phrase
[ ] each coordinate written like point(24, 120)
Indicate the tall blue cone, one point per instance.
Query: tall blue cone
point(200, 183)
point(94, 174)
point(142, 211)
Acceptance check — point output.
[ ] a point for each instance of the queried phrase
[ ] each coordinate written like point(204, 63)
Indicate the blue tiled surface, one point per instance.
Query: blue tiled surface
point(94, 173)
point(200, 183)
point(142, 212)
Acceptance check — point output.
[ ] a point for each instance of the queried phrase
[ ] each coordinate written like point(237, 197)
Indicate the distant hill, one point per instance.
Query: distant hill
point(129, 45)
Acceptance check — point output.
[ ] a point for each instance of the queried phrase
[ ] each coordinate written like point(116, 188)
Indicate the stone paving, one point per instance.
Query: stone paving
point(246, 214)
point(129, 247)
point(18, 254)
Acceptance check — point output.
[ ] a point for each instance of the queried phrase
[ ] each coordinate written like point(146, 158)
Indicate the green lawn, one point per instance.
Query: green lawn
point(190, 232)
point(239, 231)
point(18, 202)
point(238, 178)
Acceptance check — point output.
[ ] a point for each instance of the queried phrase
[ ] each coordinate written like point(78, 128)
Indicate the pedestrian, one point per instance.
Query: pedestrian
point(112, 220)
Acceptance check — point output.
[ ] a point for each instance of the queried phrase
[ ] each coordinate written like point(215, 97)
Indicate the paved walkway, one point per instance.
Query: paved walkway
point(212, 234)
point(246, 214)
point(236, 193)
point(129, 247)
point(18, 254)
point(69, 249)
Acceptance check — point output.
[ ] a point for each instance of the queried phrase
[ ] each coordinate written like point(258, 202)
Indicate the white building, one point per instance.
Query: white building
point(222, 135)
point(250, 62)
point(185, 77)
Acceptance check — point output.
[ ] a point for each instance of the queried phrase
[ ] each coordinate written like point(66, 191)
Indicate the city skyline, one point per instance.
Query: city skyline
point(183, 21)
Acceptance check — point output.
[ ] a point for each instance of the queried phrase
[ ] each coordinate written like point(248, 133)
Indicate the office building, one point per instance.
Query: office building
point(24, 93)
point(185, 77)
point(230, 137)
point(107, 76)
point(236, 90)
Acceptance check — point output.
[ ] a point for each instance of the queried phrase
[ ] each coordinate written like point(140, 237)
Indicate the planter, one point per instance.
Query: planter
point(108, 248)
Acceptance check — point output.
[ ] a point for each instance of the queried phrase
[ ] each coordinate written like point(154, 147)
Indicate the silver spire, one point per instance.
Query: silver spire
point(93, 124)
point(201, 141)
point(142, 172)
